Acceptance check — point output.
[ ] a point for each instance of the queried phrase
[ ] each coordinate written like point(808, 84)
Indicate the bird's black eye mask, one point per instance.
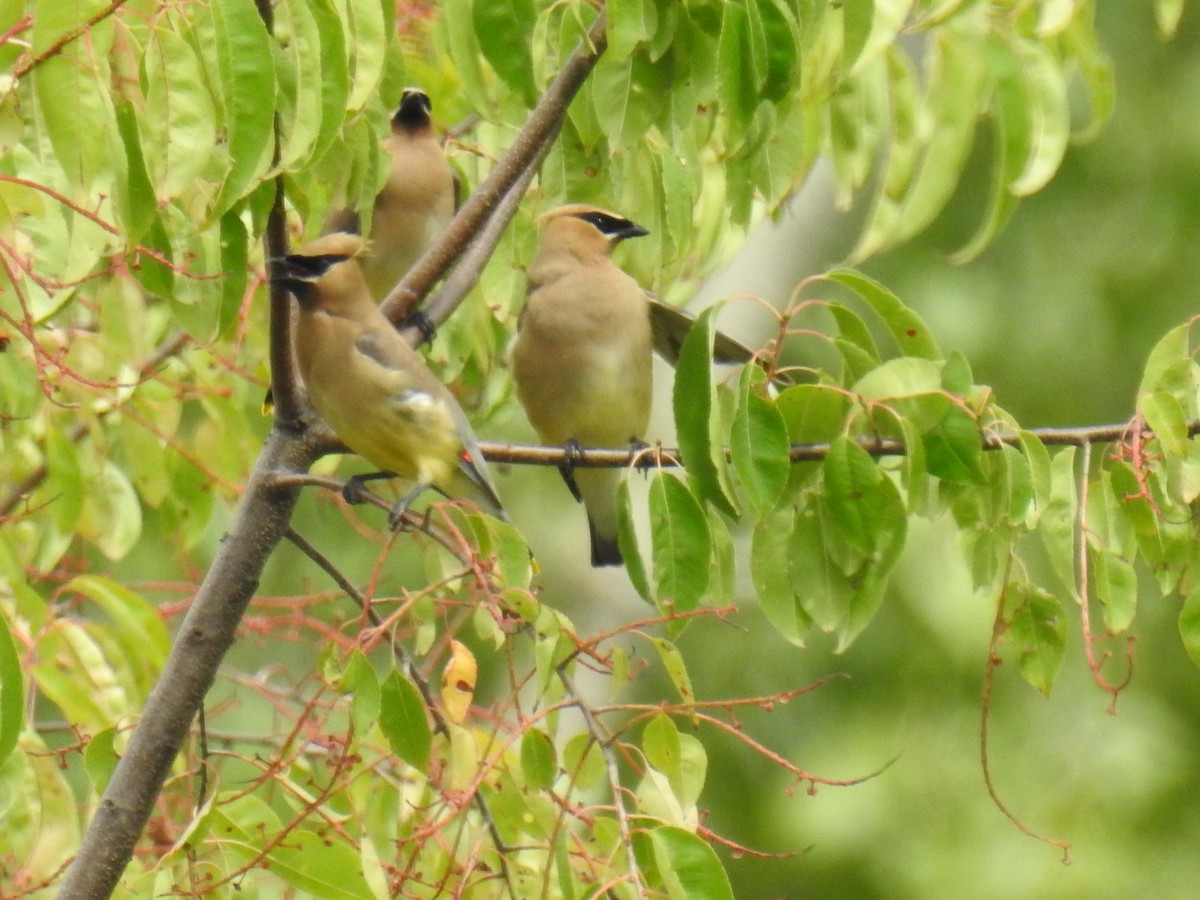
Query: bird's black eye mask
point(414, 110)
point(613, 226)
point(296, 267)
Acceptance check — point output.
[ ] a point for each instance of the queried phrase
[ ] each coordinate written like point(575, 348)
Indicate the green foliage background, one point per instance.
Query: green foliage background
point(1057, 316)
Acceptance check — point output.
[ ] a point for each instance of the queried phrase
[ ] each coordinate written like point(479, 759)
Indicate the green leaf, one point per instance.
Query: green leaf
point(628, 543)
point(301, 72)
point(957, 90)
point(817, 567)
point(769, 549)
point(813, 413)
point(465, 54)
point(64, 486)
point(629, 24)
point(1116, 587)
point(246, 71)
point(368, 38)
point(627, 99)
point(737, 88)
point(660, 742)
point(1169, 367)
point(782, 50)
point(178, 123)
point(72, 671)
point(864, 503)
point(759, 445)
point(503, 30)
point(1058, 519)
point(1038, 457)
point(1167, 14)
point(857, 18)
point(112, 516)
point(1050, 122)
point(333, 99)
point(907, 376)
point(907, 328)
point(689, 867)
point(235, 262)
point(134, 195)
point(672, 661)
point(682, 545)
point(697, 414)
point(307, 860)
point(1189, 624)
point(723, 565)
point(539, 761)
point(501, 540)
point(403, 721)
point(1037, 627)
point(100, 758)
point(71, 87)
point(583, 761)
point(954, 448)
point(1165, 416)
point(138, 626)
point(12, 691)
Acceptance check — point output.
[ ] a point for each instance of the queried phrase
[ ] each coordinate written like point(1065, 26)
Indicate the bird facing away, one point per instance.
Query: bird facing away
point(372, 388)
point(582, 356)
point(415, 204)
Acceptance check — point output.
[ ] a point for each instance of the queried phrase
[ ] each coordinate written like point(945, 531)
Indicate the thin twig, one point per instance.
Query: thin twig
point(58, 46)
point(604, 739)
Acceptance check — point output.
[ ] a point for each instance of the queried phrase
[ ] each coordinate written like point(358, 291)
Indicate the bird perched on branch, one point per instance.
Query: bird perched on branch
point(372, 388)
point(412, 209)
point(414, 205)
point(581, 359)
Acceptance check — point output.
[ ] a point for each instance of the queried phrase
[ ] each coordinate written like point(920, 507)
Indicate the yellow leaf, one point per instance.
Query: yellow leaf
point(458, 682)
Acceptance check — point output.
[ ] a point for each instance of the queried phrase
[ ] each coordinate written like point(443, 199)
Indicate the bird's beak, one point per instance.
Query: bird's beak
point(632, 230)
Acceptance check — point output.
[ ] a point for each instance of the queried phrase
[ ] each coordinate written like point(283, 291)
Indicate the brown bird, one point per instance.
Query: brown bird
point(372, 388)
point(411, 210)
point(415, 204)
point(581, 359)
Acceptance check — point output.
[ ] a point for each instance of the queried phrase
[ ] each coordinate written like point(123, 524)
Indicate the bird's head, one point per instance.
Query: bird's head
point(586, 228)
point(414, 111)
point(322, 270)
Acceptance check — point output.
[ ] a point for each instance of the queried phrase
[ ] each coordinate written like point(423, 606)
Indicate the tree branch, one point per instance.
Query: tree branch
point(618, 457)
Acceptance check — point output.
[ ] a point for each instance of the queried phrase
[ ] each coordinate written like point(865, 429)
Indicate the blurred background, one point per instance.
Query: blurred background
point(1058, 317)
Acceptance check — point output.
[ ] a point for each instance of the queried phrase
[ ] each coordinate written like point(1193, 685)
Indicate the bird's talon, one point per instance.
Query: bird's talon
point(418, 320)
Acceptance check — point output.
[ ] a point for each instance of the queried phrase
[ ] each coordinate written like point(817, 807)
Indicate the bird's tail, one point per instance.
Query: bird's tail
point(476, 485)
point(598, 488)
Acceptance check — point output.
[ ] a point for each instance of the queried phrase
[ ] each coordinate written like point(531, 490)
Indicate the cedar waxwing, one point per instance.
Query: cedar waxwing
point(411, 210)
point(581, 359)
point(371, 386)
point(415, 204)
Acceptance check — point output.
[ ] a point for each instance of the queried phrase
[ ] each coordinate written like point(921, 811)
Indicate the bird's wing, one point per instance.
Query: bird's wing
point(389, 354)
point(669, 325)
